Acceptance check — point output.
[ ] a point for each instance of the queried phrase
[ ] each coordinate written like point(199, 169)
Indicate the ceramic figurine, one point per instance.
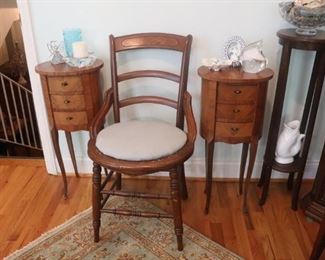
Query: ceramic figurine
point(289, 143)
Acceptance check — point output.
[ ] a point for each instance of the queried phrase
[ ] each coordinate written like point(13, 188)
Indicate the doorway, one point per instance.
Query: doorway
point(19, 134)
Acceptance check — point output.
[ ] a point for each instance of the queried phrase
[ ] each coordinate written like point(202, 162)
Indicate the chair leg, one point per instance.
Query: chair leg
point(177, 211)
point(96, 200)
point(118, 181)
point(319, 244)
point(182, 182)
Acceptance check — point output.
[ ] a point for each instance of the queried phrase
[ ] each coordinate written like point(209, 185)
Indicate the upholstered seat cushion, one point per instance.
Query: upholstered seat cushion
point(140, 140)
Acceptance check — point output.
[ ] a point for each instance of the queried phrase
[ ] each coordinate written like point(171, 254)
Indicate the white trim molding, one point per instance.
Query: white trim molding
point(196, 168)
point(32, 61)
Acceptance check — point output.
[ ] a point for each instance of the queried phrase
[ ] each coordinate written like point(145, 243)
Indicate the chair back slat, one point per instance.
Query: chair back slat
point(148, 73)
point(148, 99)
point(150, 41)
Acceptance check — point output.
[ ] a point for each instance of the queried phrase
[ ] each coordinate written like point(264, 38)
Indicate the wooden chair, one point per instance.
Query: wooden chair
point(142, 147)
point(319, 244)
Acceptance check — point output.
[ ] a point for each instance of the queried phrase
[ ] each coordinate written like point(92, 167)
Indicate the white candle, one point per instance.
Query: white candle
point(79, 50)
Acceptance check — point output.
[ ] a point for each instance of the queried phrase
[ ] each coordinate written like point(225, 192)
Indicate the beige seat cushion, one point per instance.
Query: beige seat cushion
point(140, 140)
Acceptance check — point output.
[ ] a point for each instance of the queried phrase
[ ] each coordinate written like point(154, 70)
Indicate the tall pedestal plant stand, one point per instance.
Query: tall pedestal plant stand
point(290, 40)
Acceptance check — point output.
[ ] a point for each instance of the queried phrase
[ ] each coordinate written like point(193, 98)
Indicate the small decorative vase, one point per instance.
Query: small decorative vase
point(252, 58)
point(289, 142)
point(70, 36)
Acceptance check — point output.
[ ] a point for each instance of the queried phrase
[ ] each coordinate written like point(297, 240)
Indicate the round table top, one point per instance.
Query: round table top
point(49, 69)
point(233, 75)
point(296, 41)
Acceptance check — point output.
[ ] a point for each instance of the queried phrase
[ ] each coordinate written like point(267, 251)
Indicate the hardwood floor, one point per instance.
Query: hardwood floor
point(32, 202)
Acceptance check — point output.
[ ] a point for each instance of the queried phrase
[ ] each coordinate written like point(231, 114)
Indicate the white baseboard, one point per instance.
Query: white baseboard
point(196, 168)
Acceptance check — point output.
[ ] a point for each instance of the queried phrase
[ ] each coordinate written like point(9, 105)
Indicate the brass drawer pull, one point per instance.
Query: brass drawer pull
point(69, 118)
point(237, 91)
point(67, 101)
point(234, 129)
point(236, 110)
point(64, 84)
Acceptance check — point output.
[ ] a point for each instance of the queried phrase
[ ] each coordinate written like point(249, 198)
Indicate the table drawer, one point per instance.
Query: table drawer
point(235, 113)
point(236, 94)
point(233, 129)
point(63, 119)
point(68, 102)
point(65, 84)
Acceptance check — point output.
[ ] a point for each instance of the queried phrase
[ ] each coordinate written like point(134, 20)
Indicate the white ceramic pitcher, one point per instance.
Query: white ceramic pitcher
point(289, 142)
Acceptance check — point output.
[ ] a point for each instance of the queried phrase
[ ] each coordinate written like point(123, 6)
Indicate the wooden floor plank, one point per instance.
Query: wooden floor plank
point(31, 203)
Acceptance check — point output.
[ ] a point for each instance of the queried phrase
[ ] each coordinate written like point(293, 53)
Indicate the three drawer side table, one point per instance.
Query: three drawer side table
point(72, 98)
point(232, 111)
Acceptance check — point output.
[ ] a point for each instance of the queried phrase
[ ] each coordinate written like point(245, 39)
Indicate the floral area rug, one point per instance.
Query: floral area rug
point(122, 238)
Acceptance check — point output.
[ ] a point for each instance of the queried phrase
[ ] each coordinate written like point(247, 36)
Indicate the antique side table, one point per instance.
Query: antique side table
point(72, 98)
point(232, 111)
point(290, 40)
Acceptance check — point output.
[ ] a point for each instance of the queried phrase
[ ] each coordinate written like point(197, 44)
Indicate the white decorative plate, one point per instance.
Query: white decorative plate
point(233, 48)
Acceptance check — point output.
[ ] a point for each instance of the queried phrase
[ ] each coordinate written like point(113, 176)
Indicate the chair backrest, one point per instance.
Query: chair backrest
point(151, 41)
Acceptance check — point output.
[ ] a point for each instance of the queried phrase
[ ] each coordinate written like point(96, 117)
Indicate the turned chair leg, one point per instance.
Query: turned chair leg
point(177, 211)
point(182, 182)
point(96, 200)
point(118, 181)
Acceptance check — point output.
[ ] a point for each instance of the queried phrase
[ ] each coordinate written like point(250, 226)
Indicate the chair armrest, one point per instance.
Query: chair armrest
point(189, 117)
point(98, 121)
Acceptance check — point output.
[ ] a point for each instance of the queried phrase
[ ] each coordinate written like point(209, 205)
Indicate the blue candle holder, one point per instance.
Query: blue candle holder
point(70, 36)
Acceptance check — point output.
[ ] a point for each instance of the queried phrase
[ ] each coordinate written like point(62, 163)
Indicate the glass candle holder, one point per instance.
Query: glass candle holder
point(70, 36)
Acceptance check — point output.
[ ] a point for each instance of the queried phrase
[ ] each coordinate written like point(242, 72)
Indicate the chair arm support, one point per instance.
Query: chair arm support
point(189, 117)
point(98, 121)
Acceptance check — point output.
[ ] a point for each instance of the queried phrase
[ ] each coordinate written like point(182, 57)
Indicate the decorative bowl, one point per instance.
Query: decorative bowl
point(306, 19)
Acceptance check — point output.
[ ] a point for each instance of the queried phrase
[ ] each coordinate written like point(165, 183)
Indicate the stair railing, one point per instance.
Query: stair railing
point(18, 123)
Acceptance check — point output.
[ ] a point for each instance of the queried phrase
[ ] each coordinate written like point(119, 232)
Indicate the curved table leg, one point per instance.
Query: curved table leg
point(209, 149)
point(252, 156)
point(71, 151)
point(55, 139)
point(243, 166)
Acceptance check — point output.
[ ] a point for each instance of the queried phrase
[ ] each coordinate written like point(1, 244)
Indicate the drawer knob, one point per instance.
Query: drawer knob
point(236, 110)
point(67, 101)
point(69, 118)
point(64, 84)
point(234, 129)
point(237, 91)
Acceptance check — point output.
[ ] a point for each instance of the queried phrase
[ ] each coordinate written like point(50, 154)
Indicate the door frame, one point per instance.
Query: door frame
point(38, 97)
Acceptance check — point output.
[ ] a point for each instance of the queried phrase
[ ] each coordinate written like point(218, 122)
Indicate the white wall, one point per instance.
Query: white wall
point(211, 23)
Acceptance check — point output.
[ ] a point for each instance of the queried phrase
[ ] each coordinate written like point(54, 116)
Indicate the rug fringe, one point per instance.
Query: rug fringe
point(47, 234)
